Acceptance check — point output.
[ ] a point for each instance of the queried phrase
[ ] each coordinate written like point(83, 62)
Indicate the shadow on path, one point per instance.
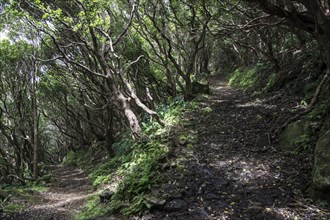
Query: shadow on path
point(64, 199)
point(235, 170)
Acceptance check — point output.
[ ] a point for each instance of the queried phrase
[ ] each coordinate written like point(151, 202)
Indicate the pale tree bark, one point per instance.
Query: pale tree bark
point(99, 44)
point(35, 121)
point(130, 115)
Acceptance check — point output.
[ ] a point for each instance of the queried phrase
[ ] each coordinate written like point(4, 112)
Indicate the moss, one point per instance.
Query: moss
point(104, 169)
point(24, 193)
point(321, 171)
point(82, 157)
point(244, 78)
point(138, 172)
point(70, 158)
point(13, 208)
point(302, 144)
point(100, 180)
point(137, 163)
point(292, 134)
point(258, 78)
point(93, 209)
point(271, 81)
point(319, 111)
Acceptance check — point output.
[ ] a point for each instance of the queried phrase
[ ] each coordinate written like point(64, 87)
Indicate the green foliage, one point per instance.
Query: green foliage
point(13, 208)
point(124, 146)
point(4, 197)
point(47, 178)
point(138, 175)
point(171, 111)
point(24, 190)
point(244, 78)
point(319, 111)
point(38, 188)
point(257, 78)
point(302, 144)
point(22, 195)
point(272, 79)
point(139, 205)
point(137, 168)
point(100, 180)
point(70, 158)
point(81, 157)
point(100, 174)
point(13, 53)
point(93, 209)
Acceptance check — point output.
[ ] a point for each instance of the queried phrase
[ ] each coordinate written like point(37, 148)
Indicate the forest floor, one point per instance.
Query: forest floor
point(236, 170)
point(64, 198)
point(233, 170)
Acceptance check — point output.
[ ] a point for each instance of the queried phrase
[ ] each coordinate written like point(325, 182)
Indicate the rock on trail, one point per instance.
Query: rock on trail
point(236, 170)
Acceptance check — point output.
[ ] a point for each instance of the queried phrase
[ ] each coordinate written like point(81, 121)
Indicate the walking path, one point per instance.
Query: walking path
point(65, 197)
point(234, 170)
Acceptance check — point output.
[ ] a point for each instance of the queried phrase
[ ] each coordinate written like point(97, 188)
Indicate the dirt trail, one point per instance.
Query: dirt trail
point(236, 170)
point(65, 197)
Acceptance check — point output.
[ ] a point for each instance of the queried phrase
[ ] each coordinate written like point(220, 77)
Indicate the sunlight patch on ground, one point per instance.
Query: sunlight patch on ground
point(255, 104)
point(80, 179)
point(263, 103)
point(248, 172)
point(60, 200)
point(288, 213)
point(218, 101)
point(219, 86)
point(244, 170)
point(70, 174)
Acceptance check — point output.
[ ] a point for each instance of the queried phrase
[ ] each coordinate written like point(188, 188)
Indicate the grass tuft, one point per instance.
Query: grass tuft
point(134, 169)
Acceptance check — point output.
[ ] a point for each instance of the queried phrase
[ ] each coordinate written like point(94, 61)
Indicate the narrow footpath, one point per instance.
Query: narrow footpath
point(236, 169)
point(233, 171)
point(64, 199)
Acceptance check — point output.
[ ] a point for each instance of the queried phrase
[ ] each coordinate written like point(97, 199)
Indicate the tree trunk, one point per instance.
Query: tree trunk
point(130, 115)
point(109, 136)
point(35, 123)
point(188, 88)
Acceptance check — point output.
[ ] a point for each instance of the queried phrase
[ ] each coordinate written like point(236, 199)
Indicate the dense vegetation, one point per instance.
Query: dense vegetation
point(101, 84)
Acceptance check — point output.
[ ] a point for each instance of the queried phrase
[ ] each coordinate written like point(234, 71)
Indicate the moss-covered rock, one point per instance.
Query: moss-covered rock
point(245, 78)
point(326, 125)
point(321, 173)
point(293, 134)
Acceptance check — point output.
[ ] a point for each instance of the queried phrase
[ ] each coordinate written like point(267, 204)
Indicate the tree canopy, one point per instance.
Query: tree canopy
point(76, 73)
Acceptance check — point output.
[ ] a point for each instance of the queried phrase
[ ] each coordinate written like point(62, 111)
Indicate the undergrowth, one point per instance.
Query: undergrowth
point(21, 194)
point(133, 171)
point(259, 78)
point(244, 78)
point(298, 74)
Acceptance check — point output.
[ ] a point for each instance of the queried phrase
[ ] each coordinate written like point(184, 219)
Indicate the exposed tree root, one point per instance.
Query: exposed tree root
point(311, 105)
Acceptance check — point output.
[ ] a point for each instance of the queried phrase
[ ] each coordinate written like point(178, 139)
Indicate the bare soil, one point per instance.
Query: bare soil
point(235, 170)
point(65, 197)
